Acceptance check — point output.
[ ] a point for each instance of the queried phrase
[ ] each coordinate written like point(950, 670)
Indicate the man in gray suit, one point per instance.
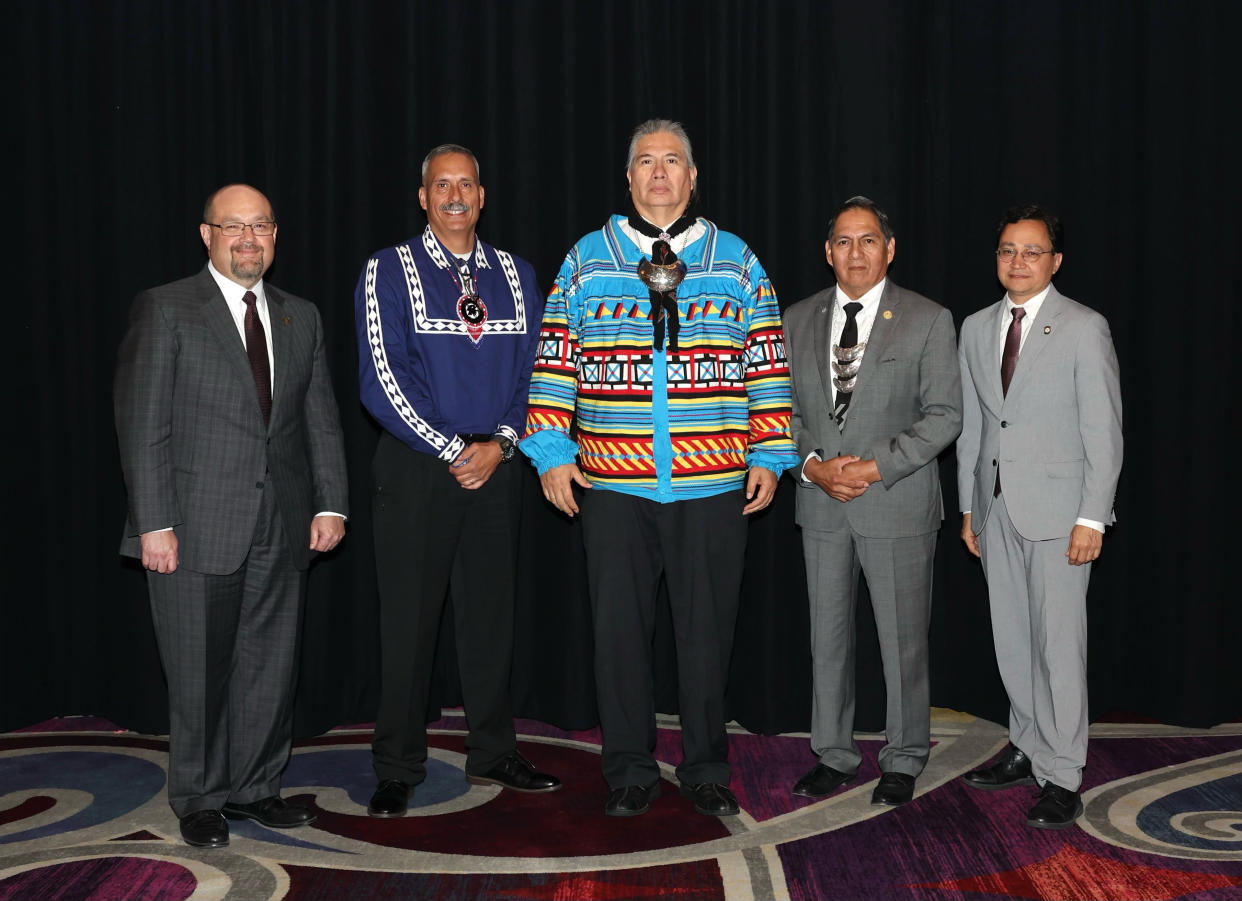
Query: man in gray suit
point(876, 397)
point(233, 458)
point(1037, 464)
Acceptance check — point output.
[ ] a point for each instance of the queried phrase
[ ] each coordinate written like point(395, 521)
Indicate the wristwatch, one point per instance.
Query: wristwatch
point(507, 447)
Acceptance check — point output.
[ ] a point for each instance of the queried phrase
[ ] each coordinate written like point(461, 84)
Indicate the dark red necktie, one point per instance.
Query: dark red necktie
point(256, 350)
point(1009, 360)
point(1013, 340)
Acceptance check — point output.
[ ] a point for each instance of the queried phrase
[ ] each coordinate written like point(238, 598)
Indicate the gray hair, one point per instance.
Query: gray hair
point(442, 149)
point(654, 126)
point(859, 202)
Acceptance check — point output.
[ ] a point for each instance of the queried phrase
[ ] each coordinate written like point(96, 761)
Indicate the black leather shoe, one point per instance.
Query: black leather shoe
point(631, 800)
point(391, 799)
point(712, 799)
point(517, 773)
point(1057, 808)
point(1011, 768)
point(894, 789)
point(821, 781)
point(274, 812)
point(205, 829)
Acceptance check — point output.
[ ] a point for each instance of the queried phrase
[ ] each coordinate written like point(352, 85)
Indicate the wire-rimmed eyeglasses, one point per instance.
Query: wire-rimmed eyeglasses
point(1005, 254)
point(233, 229)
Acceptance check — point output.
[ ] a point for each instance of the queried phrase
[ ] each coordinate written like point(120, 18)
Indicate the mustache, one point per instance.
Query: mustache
point(454, 206)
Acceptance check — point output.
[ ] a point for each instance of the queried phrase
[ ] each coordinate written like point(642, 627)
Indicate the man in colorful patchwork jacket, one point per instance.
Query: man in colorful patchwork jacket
point(662, 351)
point(446, 337)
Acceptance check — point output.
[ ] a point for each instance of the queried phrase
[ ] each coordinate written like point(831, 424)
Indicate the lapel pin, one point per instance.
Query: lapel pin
point(286, 320)
point(1047, 330)
point(888, 314)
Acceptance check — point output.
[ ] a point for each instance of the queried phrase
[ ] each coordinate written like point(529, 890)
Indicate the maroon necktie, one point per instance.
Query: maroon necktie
point(1009, 360)
point(1013, 340)
point(256, 350)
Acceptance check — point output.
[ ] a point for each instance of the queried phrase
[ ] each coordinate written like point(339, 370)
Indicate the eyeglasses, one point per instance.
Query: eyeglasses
point(234, 229)
point(1005, 254)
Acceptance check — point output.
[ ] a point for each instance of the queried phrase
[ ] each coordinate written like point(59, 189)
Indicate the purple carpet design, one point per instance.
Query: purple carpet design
point(83, 814)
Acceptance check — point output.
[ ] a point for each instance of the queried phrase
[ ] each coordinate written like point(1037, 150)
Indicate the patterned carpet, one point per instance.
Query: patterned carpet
point(83, 814)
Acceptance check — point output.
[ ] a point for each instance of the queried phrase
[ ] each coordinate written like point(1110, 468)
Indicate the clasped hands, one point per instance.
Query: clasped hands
point(476, 464)
point(842, 478)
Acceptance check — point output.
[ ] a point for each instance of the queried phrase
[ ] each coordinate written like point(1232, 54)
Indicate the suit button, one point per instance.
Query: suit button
point(1004, 424)
point(260, 484)
point(993, 462)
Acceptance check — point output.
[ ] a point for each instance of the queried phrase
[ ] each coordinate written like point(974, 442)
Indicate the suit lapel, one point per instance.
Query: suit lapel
point(1042, 330)
point(282, 347)
point(220, 320)
point(824, 311)
point(881, 335)
point(990, 352)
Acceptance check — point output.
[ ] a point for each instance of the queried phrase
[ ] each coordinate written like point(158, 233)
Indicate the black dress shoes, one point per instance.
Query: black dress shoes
point(391, 799)
point(205, 829)
point(821, 781)
point(1011, 768)
point(712, 799)
point(517, 773)
point(893, 789)
point(1057, 808)
point(631, 800)
point(274, 812)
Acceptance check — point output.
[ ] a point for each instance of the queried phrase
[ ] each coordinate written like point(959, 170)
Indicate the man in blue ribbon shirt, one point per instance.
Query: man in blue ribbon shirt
point(447, 327)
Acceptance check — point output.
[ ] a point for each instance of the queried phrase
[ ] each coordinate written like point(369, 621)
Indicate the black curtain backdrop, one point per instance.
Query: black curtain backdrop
point(130, 113)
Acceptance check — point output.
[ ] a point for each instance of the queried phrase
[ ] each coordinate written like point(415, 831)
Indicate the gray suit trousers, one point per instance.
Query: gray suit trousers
point(229, 648)
point(1039, 624)
point(899, 576)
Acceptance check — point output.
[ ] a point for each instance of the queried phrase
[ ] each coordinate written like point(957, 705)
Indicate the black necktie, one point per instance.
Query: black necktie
point(256, 350)
point(847, 365)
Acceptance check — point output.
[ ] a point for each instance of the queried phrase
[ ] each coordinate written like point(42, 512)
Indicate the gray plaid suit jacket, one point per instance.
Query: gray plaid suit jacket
point(194, 448)
point(906, 409)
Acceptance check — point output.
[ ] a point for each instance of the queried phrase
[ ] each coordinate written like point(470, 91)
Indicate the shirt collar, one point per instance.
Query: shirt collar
point(869, 301)
point(232, 291)
point(440, 254)
point(678, 244)
point(1031, 306)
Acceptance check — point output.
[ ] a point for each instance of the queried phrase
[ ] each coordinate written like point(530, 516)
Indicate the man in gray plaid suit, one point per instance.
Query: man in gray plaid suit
point(235, 467)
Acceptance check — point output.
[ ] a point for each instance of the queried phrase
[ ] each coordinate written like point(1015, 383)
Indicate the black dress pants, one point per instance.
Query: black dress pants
point(434, 538)
point(699, 547)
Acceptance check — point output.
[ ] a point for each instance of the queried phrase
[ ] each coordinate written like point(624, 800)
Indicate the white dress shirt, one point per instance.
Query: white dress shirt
point(233, 294)
point(865, 320)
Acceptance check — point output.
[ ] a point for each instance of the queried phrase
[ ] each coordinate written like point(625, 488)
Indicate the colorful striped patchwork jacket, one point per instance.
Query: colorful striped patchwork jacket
point(670, 424)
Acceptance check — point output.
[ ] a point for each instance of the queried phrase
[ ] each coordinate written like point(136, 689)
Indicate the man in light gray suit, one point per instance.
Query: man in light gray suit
point(231, 447)
point(1038, 463)
point(876, 397)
